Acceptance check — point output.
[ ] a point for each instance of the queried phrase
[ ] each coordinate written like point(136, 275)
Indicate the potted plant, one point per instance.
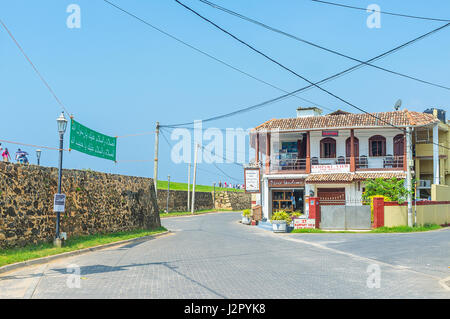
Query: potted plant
point(295, 215)
point(279, 221)
point(246, 216)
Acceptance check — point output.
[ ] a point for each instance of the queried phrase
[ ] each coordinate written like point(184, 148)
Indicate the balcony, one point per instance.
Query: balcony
point(388, 162)
point(288, 165)
point(339, 164)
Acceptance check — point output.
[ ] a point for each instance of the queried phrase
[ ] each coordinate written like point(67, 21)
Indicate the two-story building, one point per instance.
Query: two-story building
point(431, 143)
point(330, 156)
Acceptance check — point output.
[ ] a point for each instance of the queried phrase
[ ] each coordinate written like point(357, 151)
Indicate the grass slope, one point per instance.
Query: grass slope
point(198, 188)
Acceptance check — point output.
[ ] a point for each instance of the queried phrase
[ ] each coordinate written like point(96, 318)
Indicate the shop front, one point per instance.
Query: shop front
point(287, 194)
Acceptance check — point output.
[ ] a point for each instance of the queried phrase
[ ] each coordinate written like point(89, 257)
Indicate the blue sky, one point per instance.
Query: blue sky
point(118, 76)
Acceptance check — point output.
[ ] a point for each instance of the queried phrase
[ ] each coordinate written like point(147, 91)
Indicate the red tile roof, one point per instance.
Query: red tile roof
point(398, 118)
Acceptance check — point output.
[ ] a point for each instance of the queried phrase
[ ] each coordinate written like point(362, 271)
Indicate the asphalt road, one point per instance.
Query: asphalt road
point(214, 256)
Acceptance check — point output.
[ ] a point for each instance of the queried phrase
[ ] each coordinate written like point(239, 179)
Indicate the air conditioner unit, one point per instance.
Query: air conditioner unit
point(424, 183)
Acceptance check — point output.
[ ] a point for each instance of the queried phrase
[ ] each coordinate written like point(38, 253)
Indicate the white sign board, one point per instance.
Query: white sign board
point(335, 168)
point(303, 223)
point(252, 180)
point(59, 203)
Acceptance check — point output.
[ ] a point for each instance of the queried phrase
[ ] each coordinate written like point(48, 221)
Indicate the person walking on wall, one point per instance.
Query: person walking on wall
point(21, 157)
point(6, 156)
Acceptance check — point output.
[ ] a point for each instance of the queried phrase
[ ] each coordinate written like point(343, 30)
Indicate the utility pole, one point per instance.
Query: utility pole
point(193, 182)
point(168, 192)
point(189, 186)
point(408, 175)
point(155, 166)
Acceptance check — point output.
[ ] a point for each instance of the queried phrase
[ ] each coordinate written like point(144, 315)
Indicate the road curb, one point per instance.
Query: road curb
point(44, 260)
point(199, 214)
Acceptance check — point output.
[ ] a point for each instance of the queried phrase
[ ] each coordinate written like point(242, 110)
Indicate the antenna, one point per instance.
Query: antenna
point(398, 104)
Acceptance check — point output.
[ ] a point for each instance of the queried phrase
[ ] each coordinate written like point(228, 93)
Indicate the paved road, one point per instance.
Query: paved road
point(213, 256)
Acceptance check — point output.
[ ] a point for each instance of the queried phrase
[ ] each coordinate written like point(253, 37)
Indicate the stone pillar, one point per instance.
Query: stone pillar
point(378, 212)
point(314, 210)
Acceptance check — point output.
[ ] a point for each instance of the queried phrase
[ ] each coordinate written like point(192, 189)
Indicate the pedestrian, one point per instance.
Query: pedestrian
point(293, 201)
point(6, 156)
point(21, 157)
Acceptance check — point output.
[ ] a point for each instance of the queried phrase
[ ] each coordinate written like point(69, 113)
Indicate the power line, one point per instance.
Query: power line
point(34, 67)
point(325, 80)
point(211, 4)
point(35, 146)
point(384, 12)
point(225, 174)
point(209, 55)
point(278, 63)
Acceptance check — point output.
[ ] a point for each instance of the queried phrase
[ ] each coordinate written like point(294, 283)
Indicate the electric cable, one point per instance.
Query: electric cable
point(384, 12)
point(34, 68)
point(211, 4)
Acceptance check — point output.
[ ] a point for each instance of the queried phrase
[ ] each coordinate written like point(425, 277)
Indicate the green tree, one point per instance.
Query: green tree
point(392, 188)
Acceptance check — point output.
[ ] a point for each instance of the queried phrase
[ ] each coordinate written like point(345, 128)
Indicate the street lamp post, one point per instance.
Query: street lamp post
point(38, 155)
point(62, 125)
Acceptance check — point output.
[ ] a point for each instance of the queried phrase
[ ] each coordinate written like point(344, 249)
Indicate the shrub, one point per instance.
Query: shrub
point(296, 214)
point(247, 213)
point(282, 215)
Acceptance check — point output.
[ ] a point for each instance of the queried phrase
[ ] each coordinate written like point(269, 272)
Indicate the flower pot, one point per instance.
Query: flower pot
point(279, 226)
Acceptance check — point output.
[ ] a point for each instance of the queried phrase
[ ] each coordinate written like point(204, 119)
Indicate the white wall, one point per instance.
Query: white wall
point(362, 135)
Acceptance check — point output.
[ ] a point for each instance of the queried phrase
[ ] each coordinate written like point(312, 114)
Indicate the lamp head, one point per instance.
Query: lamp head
point(62, 123)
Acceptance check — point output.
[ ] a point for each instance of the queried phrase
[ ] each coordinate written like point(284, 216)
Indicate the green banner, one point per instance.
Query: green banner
point(90, 142)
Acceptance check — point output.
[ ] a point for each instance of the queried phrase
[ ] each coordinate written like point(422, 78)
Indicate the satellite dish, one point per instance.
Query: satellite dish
point(398, 104)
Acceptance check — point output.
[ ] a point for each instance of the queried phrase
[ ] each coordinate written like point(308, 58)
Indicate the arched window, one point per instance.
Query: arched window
point(347, 147)
point(328, 148)
point(399, 145)
point(377, 145)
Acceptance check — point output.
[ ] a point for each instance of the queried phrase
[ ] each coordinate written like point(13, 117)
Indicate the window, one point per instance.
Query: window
point(399, 145)
point(348, 144)
point(328, 148)
point(377, 146)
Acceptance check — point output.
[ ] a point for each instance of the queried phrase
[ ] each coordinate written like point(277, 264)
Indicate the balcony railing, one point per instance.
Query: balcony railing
point(362, 162)
point(379, 162)
point(279, 165)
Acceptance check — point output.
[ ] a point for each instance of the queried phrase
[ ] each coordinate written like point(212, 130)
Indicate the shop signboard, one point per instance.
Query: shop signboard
point(334, 168)
point(330, 133)
point(286, 182)
point(252, 180)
